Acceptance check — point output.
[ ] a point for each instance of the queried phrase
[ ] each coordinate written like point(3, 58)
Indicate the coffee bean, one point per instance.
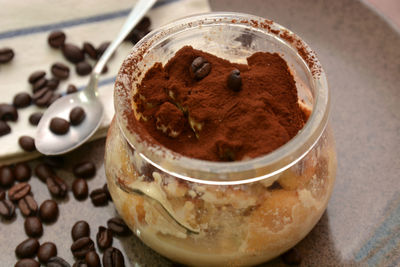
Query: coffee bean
point(92, 259)
point(82, 246)
point(99, 197)
point(7, 177)
point(80, 189)
point(4, 128)
point(77, 115)
point(44, 171)
point(200, 68)
point(22, 100)
point(8, 112)
point(79, 230)
point(19, 191)
point(113, 257)
point(104, 238)
point(102, 48)
point(48, 211)
point(53, 83)
point(6, 55)
point(234, 81)
point(22, 172)
point(71, 89)
point(73, 53)
point(57, 262)
point(46, 251)
point(60, 70)
point(104, 70)
point(85, 169)
point(136, 35)
point(40, 93)
point(54, 161)
point(27, 143)
point(45, 99)
point(27, 248)
point(53, 99)
point(59, 126)
point(28, 206)
point(35, 76)
point(2, 195)
point(83, 68)
point(7, 209)
point(80, 263)
point(144, 24)
point(118, 226)
point(39, 84)
point(56, 39)
point(27, 263)
point(105, 189)
point(89, 49)
point(291, 257)
point(33, 226)
point(57, 186)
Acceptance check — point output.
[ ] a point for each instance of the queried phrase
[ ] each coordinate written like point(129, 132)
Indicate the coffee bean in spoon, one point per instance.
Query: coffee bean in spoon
point(49, 211)
point(4, 128)
point(77, 115)
point(8, 112)
point(60, 70)
point(36, 76)
point(59, 126)
point(27, 143)
point(72, 53)
point(22, 100)
point(6, 55)
point(56, 39)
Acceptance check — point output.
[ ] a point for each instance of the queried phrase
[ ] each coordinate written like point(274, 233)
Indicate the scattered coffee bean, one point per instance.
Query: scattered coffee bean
point(53, 99)
point(113, 257)
point(99, 197)
point(40, 93)
point(7, 177)
point(2, 195)
point(73, 53)
point(57, 262)
point(27, 263)
point(4, 128)
point(45, 99)
point(80, 189)
point(36, 76)
point(48, 211)
point(39, 84)
point(104, 70)
point(28, 206)
point(136, 35)
point(53, 83)
point(6, 55)
point(85, 169)
point(80, 263)
point(44, 171)
point(79, 230)
point(56, 39)
point(54, 161)
point(82, 246)
point(27, 248)
point(59, 126)
point(22, 100)
point(92, 259)
point(60, 70)
point(144, 24)
point(22, 172)
point(104, 238)
point(71, 89)
point(200, 68)
point(102, 48)
point(105, 189)
point(77, 115)
point(7, 209)
point(234, 80)
point(89, 49)
point(33, 226)
point(57, 186)
point(27, 143)
point(118, 226)
point(46, 251)
point(19, 191)
point(83, 68)
point(8, 112)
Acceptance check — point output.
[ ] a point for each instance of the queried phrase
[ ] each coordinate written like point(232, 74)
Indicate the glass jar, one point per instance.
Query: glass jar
point(206, 213)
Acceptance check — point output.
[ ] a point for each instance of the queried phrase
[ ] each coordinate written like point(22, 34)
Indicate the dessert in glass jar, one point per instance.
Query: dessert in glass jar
point(220, 152)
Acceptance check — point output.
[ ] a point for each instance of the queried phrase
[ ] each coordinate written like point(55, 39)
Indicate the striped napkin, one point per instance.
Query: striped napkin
point(25, 26)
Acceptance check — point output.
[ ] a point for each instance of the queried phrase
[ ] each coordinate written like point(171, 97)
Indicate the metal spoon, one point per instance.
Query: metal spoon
point(49, 143)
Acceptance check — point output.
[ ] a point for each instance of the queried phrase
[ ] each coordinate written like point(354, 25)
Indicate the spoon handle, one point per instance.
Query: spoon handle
point(137, 13)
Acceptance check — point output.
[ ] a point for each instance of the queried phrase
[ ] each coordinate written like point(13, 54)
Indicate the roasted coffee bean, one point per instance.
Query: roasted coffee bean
point(6, 55)
point(104, 70)
point(71, 89)
point(2, 195)
point(77, 115)
point(54, 161)
point(44, 171)
point(48, 211)
point(33, 226)
point(53, 99)
point(27, 248)
point(19, 191)
point(99, 197)
point(85, 169)
point(89, 49)
point(80, 189)
point(60, 70)
point(73, 53)
point(79, 230)
point(7, 177)
point(234, 81)
point(4, 128)
point(53, 83)
point(57, 262)
point(46, 251)
point(200, 68)
point(28, 206)
point(113, 257)
point(105, 189)
point(27, 143)
point(118, 226)
point(92, 259)
point(136, 35)
point(82, 246)
point(102, 48)
point(56, 39)
point(7, 209)
point(291, 257)
point(22, 100)
point(39, 84)
point(36, 76)
point(59, 126)
point(40, 93)
point(144, 24)
point(8, 112)
point(104, 238)
point(27, 263)
point(57, 186)
point(83, 68)
point(45, 99)
point(22, 172)
point(80, 263)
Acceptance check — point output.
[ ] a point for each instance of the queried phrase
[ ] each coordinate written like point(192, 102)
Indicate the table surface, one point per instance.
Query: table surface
point(359, 50)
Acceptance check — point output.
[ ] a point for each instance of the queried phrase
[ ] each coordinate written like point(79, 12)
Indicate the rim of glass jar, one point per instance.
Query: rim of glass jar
point(225, 173)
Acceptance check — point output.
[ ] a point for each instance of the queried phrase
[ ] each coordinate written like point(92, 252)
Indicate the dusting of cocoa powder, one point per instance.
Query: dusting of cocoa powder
point(213, 122)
